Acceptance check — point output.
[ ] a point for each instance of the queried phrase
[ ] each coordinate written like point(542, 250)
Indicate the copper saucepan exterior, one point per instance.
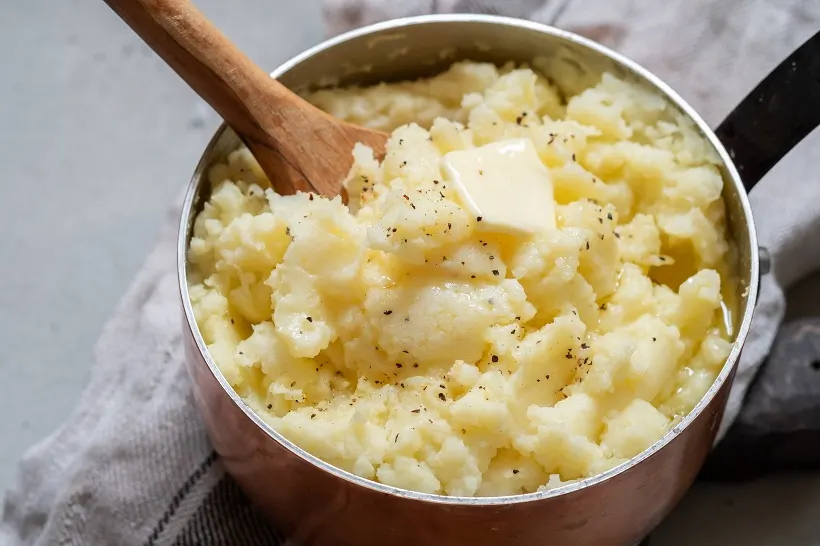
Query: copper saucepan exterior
point(312, 502)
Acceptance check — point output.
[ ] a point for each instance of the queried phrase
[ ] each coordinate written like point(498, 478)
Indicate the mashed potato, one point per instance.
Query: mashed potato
point(393, 340)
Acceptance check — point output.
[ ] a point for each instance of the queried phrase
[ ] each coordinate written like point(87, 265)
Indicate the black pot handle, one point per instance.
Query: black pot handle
point(776, 115)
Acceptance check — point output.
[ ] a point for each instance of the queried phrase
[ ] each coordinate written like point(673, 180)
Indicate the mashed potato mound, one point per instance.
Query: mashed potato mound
point(391, 339)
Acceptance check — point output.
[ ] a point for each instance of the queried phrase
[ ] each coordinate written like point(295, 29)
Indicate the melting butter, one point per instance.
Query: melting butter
point(504, 185)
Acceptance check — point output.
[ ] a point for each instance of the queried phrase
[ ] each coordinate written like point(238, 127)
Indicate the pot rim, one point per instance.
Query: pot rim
point(670, 94)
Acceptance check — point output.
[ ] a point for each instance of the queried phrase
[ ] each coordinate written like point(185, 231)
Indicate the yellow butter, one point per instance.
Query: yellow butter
point(504, 185)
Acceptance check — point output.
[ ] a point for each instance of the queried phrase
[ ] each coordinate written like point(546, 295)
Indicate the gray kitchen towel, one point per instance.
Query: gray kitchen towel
point(132, 464)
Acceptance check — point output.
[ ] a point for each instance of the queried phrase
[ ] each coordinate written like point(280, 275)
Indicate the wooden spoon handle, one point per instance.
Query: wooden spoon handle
point(241, 92)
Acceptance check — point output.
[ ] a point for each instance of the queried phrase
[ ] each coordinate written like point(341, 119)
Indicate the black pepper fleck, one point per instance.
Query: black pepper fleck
point(442, 397)
point(388, 312)
point(494, 358)
point(495, 272)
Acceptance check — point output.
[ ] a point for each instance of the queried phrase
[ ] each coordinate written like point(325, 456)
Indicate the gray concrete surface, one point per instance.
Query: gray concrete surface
point(98, 138)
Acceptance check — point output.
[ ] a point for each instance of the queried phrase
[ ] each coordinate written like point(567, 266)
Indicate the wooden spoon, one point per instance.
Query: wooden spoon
point(300, 147)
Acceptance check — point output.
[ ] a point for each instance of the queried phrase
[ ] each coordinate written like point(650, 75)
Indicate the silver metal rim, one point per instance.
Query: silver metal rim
point(512, 499)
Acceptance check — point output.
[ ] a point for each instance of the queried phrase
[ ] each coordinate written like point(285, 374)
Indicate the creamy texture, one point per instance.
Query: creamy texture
point(400, 339)
point(504, 185)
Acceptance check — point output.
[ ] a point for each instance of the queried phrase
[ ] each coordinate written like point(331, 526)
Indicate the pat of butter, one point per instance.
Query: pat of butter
point(504, 185)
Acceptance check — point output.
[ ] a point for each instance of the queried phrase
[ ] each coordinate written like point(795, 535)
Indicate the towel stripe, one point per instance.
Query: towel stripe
point(197, 475)
point(226, 517)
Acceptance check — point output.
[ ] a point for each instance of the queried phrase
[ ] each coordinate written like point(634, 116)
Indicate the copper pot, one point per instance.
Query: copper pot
point(313, 502)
